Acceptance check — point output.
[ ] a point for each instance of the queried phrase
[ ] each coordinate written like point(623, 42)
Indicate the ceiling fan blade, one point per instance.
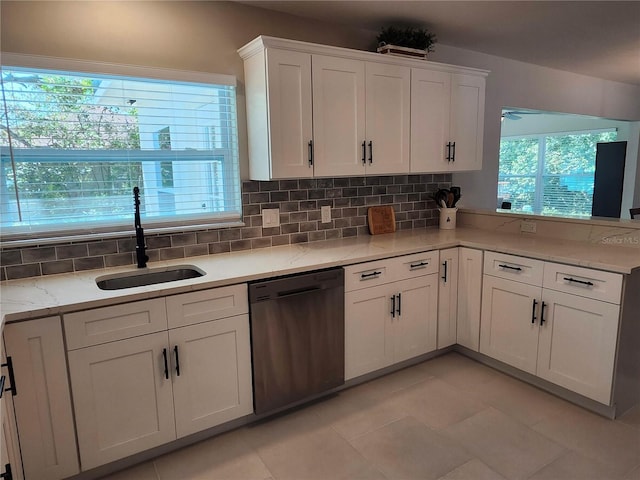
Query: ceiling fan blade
point(511, 116)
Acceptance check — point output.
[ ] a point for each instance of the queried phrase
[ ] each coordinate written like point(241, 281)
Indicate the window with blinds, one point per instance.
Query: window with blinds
point(550, 174)
point(73, 146)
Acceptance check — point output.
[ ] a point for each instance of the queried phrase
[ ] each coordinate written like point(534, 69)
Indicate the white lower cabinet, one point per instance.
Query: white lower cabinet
point(415, 322)
point(469, 298)
point(509, 329)
point(577, 346)
point(42, 401)
point(10, 461)
point(568, 339)
point(138, 393)
point(392, 322)
point(368, 344)
point(214, 381)
point(123, 399)
point(448, 297)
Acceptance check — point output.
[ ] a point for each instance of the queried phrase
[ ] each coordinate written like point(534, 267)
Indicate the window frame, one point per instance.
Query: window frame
point(52, 233)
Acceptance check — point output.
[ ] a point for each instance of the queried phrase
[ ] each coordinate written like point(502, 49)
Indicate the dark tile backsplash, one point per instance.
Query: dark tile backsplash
point(299, 202)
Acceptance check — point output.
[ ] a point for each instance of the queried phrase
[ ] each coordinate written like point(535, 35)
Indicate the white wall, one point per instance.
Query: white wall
point(513, 83)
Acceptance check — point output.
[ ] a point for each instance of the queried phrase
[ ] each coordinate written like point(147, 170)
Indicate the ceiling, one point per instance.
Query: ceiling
point(596, 38)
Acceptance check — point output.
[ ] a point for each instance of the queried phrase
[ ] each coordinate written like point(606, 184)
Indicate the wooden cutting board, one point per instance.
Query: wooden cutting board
point(382, 219)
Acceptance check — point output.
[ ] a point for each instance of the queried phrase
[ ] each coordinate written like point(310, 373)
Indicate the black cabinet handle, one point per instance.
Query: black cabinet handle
point(311, 153)
point(364, 276)
point(2, 380)
point(393, 306)
point(542, 313)
point(7, 475)
point(519, 269)
point(453, 157)
point(533, 311)
point(12, 378)
point(448, 157)
point(364, 152)
point(175, 351)
point(569, 279)
point(166, 364)
point(414, 266)
point(399, 304)
point(445, 272)
point(370, 152)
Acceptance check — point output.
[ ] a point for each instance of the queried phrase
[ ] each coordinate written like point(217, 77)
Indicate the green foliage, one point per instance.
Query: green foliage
point(567, 175)
point(410, 37)
point(60, 112)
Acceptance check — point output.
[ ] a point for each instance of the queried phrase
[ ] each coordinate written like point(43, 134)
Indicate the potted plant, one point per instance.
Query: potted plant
point(414, 42)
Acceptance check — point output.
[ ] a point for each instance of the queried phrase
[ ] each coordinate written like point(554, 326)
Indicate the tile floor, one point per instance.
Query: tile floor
point(449, 418)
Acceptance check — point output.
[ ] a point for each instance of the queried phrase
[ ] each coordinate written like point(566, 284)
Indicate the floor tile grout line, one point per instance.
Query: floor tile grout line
point(566, 451)
point(371, 430)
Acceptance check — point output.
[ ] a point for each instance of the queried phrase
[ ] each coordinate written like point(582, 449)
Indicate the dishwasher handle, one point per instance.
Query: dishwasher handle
point(298, 291)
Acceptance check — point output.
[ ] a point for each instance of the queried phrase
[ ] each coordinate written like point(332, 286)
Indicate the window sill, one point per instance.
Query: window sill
point(76, 236)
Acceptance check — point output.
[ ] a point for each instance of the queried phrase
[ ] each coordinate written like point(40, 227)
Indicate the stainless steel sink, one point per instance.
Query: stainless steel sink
point(148, 277)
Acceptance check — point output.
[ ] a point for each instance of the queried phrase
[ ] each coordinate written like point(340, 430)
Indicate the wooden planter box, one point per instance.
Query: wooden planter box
point(403, 51)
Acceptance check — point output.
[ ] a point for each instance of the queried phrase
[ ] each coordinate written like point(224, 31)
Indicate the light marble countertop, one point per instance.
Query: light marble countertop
point(55, 294)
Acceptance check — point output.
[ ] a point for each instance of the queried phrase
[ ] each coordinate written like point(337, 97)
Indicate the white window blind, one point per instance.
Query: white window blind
point(552, 174)
point(73, 146)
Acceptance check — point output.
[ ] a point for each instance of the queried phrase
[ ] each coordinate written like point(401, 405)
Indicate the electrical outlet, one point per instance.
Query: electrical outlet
point(528, 226)
point(270, 217)
point(325, 213)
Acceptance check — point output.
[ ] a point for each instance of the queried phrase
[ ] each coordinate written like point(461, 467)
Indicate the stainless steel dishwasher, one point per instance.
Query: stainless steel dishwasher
point(297, 337)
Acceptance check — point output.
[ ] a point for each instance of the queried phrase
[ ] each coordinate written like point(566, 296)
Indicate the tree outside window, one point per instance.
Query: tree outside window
point(550, 174)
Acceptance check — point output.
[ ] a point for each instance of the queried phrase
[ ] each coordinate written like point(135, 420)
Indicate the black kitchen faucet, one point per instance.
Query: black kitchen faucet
point(140, 246)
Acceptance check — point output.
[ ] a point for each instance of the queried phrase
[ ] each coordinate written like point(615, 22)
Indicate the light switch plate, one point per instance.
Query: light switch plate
point(270, 217)
point(325, 213)
point(528, 226)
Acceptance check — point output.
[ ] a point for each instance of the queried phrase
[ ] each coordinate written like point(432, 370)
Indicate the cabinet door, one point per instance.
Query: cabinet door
point(123, 400)
point(368, 341)
point(430, 98)
point(469, 297)
point(507, 330)
point(415, 324)
point(9, 447)
point(289, 101)
point(467, 121)
point(42, 402)
point(448, 297)
point(211, 364)
point(388, 104)
point(338, 116)
point(578, 344)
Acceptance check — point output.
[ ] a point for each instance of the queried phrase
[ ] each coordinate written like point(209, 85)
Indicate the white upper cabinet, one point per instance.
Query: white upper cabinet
point(388, 115)
point(315, 110)
point(430, 99)
point(278, 92)
point(289, 100)
point(361, 113)
point(338, 116)
point(447, 121)
point(466, 121)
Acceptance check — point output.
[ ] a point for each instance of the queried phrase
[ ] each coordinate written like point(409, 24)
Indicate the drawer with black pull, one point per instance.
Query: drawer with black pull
point(369, 274)
point(415, 265)
point(512, 267)
point(586, 282)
